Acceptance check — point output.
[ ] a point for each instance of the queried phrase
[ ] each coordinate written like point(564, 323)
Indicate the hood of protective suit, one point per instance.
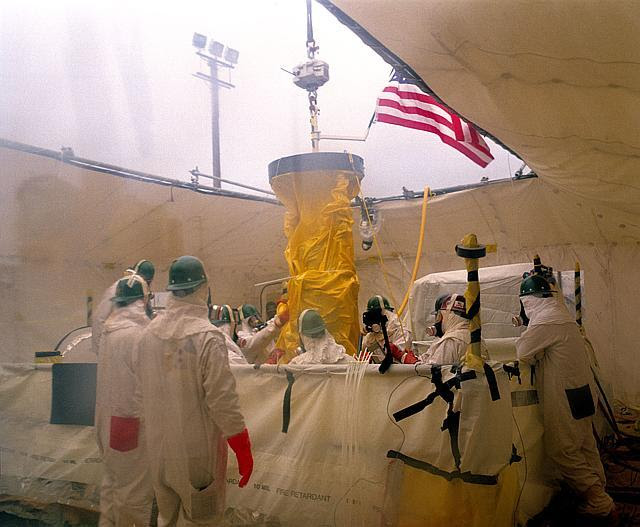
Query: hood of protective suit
point(394, 328)
point(454, 326)
point(234, 352)
point(226, 328)
point(323, 350)
point(545, 311)
point(183, 316)
point(128, 316)
point(245, 326)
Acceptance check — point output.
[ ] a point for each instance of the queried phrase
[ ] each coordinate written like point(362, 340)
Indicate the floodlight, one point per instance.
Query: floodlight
point(199, 41)
point(215, 48)
point(231, 55)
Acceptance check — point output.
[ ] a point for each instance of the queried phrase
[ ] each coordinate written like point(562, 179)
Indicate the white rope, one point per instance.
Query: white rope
point(350, 448)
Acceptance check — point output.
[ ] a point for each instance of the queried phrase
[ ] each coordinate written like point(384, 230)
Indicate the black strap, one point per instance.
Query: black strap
point(388, 356)
point(533, 375)
point(473, 310)
point(286, 403)
point(468, 477)
point(443, 389)
point(436, 373)
point(515, 457)
point(513, 371)
point(415, 407)
point(452, 424)
point(491, 381)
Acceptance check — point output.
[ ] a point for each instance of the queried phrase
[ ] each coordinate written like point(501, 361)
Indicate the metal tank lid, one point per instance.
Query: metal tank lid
point(317, 161)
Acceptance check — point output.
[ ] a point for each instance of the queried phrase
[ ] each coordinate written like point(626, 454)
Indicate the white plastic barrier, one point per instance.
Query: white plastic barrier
point(38, 460)
point(330, 467)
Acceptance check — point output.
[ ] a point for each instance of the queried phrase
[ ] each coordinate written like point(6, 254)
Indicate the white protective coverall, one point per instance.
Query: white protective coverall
point(553, 343)
point(190, 407)
point(127, 493)
point(399, 334)
point(452, 346)
point(257, 345)
point(322, 350)
point(234, 351)
point(101, 314)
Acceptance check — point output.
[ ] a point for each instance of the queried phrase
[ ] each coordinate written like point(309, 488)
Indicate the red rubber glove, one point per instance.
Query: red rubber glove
point(241, 446)
point(403, 357)
point(409, 358)
point(275, 356)
point(396, 352)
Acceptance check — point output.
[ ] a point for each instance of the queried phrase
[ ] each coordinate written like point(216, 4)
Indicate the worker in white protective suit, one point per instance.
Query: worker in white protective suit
point(399, 335)
point(451, 347)
point(190, 404)
point(143, 268)
point(317, 345)
point(256, 339)
point(126, 494)
point(553, 344)
point(223, 317)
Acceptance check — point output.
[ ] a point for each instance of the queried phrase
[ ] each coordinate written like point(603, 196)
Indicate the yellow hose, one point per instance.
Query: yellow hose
point(416, 265)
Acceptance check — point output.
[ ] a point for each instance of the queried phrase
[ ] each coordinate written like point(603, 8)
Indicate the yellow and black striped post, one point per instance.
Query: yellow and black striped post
point(537, 265)
point(578, 293)
point(471, 251)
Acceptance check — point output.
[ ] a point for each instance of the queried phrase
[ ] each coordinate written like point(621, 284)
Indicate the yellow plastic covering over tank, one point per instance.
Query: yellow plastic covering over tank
point(428, 500)
point(316, 190)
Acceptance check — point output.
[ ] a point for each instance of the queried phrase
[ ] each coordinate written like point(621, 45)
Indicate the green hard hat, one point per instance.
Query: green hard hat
point(374, 303)
point(310, 324)
point(226, 313)
point(535, 285)
point(246, 311)
point(145, 269)
point(126, 293)
point(186, 272)
point(222, 314)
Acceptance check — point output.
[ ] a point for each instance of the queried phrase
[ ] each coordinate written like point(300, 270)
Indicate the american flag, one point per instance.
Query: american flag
point(403, 103)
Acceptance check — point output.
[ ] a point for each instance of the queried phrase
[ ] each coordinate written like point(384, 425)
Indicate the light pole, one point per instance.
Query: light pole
point(218, 55)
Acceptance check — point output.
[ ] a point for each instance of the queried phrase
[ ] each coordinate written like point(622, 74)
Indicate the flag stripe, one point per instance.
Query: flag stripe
point(411, 91)
point(432, 126)
point(457, 127)
point(428, 111)
point(476, 157)
point(419, 100)
point(416, 111)
point(405, 104)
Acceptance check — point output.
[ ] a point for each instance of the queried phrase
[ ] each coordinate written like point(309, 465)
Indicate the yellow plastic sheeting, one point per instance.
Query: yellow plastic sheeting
point(334, 295)
point(429, 500)
point(318, 223)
